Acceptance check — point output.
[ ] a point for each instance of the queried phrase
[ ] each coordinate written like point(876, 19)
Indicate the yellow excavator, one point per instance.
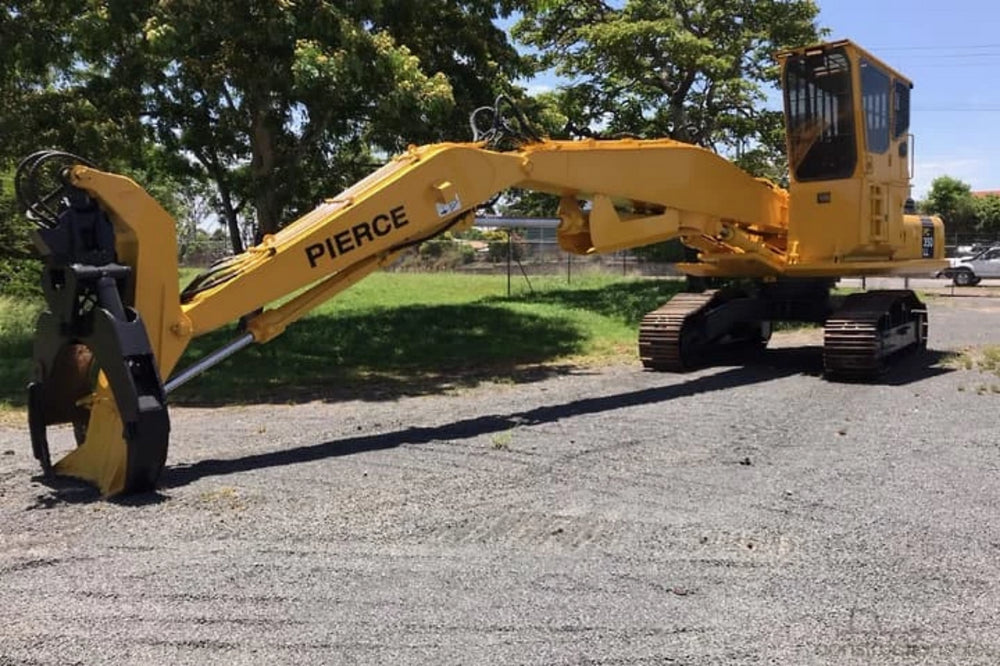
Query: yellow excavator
point(116, 324)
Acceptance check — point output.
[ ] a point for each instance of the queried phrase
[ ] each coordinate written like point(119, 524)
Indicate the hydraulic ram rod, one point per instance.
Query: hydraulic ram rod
point(213, 359)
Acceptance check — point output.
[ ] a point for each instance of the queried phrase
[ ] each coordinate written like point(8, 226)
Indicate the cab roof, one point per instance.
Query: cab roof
point(851, 47)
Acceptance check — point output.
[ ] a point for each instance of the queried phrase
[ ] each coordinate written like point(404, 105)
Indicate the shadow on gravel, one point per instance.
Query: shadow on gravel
point(907, 369)
point(762, 367)
point(482, 425)
point(63, 491)
point(917, 367)
point(771, 365)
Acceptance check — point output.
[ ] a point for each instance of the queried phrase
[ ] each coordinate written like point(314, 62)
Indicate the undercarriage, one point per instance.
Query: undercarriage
point(862, 331)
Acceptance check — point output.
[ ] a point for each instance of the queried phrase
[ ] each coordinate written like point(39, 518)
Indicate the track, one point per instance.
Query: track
point(859, 337)
point(870, 327)
point(665, 344)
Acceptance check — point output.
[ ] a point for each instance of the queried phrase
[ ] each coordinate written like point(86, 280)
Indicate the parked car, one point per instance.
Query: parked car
point(971, 250)
point(970, 269)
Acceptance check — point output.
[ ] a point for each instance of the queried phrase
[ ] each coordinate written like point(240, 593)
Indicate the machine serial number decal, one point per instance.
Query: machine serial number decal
point(927, 238)
point(446, 209)
point(348, 240)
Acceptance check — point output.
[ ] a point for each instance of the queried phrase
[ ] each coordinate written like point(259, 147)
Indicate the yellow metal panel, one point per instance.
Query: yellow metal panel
point(102, 458)
point(146, 239)
point(402, 203)
point(609, 231)
point(673, 174)
point(824, 219)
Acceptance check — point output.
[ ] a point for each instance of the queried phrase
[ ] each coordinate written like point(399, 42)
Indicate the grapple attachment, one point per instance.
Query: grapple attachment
point(94, 366)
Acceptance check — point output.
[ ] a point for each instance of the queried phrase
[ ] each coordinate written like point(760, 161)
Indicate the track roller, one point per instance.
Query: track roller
point(690, 328)
point(869, 328)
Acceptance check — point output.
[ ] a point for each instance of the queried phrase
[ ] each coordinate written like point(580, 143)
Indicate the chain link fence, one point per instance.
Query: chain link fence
point(499, 247)
point(529, 247)
point(957, 244)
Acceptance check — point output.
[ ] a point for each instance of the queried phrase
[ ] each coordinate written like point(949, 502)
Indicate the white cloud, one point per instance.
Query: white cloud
point(976, 171)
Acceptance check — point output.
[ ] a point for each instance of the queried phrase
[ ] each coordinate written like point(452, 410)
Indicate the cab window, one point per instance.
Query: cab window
point(875, 102)
point(819, 111)
point(901, 103)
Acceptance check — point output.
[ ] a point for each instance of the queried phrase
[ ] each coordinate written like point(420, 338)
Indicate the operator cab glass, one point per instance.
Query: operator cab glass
point(875, 93)
point(820, 113)
point(901, 100)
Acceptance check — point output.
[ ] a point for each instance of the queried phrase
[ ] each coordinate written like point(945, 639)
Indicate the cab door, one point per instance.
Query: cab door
point(885, 108)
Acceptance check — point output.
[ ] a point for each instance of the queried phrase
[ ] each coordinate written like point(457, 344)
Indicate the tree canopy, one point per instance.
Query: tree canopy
point(275, 104)
point(952, 199)
point(963, 212)
point(692, 71)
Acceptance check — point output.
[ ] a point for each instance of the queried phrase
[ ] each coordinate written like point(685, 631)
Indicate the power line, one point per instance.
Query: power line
point(957, 109)
point(935, 56)
point(935, 47)
point(971, 64)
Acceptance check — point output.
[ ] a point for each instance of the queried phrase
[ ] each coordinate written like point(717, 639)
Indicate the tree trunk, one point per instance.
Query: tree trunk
point(233, 224)
point(231, 214)
point(262, 168)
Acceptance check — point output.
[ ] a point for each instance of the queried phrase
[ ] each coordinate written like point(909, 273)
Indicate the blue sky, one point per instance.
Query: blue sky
point(951, 52)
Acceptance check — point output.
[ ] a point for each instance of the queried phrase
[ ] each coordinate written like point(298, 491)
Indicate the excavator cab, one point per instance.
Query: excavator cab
point(849, 159)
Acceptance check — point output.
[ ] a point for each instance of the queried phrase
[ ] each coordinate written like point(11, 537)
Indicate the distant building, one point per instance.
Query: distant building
point(982, 194)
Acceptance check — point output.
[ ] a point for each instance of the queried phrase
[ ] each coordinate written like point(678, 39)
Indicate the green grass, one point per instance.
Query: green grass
point(985, 359)
point(403, 334)
point(17, 323)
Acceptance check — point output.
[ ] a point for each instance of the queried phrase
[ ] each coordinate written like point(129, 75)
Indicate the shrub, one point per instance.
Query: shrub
point(20, 278)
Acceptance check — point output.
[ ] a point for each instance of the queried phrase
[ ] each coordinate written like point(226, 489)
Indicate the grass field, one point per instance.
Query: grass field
point(17, 323)
point(400, 334)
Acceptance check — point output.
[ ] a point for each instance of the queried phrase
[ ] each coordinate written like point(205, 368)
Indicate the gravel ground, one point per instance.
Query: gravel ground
point(736, 515)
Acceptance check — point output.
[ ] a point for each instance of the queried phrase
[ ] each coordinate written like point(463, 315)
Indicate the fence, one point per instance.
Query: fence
point(965, 243)
point(527, 246)
point(505, 245)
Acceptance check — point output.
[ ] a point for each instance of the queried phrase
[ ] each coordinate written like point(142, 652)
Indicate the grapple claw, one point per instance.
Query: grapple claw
point(94, 366)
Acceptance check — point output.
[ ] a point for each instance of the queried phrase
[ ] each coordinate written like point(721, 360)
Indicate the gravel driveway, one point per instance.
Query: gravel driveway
point(735, 515)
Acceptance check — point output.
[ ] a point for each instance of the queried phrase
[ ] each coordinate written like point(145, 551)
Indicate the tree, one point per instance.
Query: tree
point(987, 212)
point(692, 71)
point(19, 272)
point(276, 101)
point(51, 98)
point(477, 58)
point(36, 112)
point(952, 199)
point(55, 91)
point(278, 104)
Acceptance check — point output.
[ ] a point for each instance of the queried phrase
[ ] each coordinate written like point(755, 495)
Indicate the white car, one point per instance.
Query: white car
point(969, 270)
